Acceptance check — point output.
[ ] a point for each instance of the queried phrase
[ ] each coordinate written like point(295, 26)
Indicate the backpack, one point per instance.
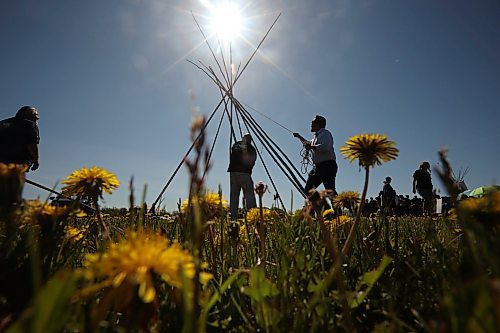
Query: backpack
point(5, 129)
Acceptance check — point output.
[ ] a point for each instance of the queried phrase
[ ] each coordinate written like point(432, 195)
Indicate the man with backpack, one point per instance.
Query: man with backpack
point(19, 138)
point(241, 162)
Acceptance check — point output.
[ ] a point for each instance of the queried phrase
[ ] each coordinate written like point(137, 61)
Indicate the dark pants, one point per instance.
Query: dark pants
point(427, 195)
point(324, 172)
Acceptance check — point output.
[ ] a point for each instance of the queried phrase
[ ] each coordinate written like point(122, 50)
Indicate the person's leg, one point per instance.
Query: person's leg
point(234, 195)
point(313, 181)
point(426, 195)
point(327, 171)
point(248, 191)
point(430, 203)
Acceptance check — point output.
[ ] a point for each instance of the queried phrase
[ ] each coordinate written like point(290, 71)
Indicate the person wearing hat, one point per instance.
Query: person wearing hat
point(388, 197)
point(422, 183)
point(241, 162)
point(323, 156)
point(19, 138)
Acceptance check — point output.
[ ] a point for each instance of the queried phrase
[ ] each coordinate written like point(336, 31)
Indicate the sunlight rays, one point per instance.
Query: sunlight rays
point(286, 75)
point(225, 23)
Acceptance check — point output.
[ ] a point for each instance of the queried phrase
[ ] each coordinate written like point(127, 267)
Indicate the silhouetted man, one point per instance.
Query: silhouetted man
point(388, 197)
point(19, 138)
point(241, 163)
point(422, 183)
point(323, 156)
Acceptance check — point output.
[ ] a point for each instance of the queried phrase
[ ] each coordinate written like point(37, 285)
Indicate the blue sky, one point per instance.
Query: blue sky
point(114, 89)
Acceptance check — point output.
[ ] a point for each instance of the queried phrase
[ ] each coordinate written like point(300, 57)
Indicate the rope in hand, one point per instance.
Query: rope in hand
point(306, 160)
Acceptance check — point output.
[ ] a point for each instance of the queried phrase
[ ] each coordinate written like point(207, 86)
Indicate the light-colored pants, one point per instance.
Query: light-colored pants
point(240, 181)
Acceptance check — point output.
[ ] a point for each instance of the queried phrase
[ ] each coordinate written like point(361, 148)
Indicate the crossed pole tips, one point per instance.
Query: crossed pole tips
point(235, 112)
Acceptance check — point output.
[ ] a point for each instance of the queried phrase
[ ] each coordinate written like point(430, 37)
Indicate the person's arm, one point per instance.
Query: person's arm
point(414, 183)
point(33, 151)
point(252, 155)
point(300, 137)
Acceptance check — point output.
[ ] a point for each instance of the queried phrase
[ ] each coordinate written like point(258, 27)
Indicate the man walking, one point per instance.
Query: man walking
point(422, 183)
point(241, 162)
point(323, 156)
point(19, 138)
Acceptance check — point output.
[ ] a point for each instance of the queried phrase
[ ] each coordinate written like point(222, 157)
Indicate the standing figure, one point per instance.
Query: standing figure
point(422, 183)
point(19, 138)
point(323, 156)
point(241, 162)
point(388, 197)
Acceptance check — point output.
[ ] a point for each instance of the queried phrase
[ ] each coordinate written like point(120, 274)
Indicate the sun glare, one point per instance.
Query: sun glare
point(226, 21)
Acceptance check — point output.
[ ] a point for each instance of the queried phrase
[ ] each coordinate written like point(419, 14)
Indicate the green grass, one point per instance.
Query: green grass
point(434, 278)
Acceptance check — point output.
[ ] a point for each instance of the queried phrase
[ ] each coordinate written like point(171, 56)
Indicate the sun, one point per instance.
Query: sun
point(226, 21)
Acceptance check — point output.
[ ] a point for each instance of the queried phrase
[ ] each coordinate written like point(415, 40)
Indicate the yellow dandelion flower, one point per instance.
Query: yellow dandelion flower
point(338, 221)
point(452, 215)
point(214, 199)
point(37, 211)
point(136, 259)
point(90, 183)
point(243, 234)
point(494, 199)
point(369, 149)
point(490, 203)
point(11, 184)
point(53, 210)
point(31, 207)
point(210, 203)
point(472, 205)
point(328, 214)
point(80, 213)
point(74, 234)
point(253, 215)
point(347, 199)
point(12, 169)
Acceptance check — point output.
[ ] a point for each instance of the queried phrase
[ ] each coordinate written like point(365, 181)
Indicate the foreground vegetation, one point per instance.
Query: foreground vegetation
point(273, 271)
point(427, 276)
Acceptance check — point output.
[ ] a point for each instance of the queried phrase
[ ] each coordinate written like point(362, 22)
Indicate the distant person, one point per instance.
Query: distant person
point(323, 156)
point(366, 208)
point(373, 206)
point(388, 197)
point(422, 184)
point(241, 162)
point(19, 138)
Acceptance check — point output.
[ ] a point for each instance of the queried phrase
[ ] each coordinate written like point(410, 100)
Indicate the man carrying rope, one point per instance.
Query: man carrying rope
point(323, 156)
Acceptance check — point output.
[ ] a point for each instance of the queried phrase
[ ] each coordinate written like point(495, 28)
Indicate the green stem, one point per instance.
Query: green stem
point(262, 234)
point(99, 218)
point(326, 235)
point(352, 232)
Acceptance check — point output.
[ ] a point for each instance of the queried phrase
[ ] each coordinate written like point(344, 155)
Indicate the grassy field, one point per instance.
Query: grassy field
point(402, 274)
point(125, 270)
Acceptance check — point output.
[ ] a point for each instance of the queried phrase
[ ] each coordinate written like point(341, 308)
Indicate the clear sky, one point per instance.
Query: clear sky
point(114, 89)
